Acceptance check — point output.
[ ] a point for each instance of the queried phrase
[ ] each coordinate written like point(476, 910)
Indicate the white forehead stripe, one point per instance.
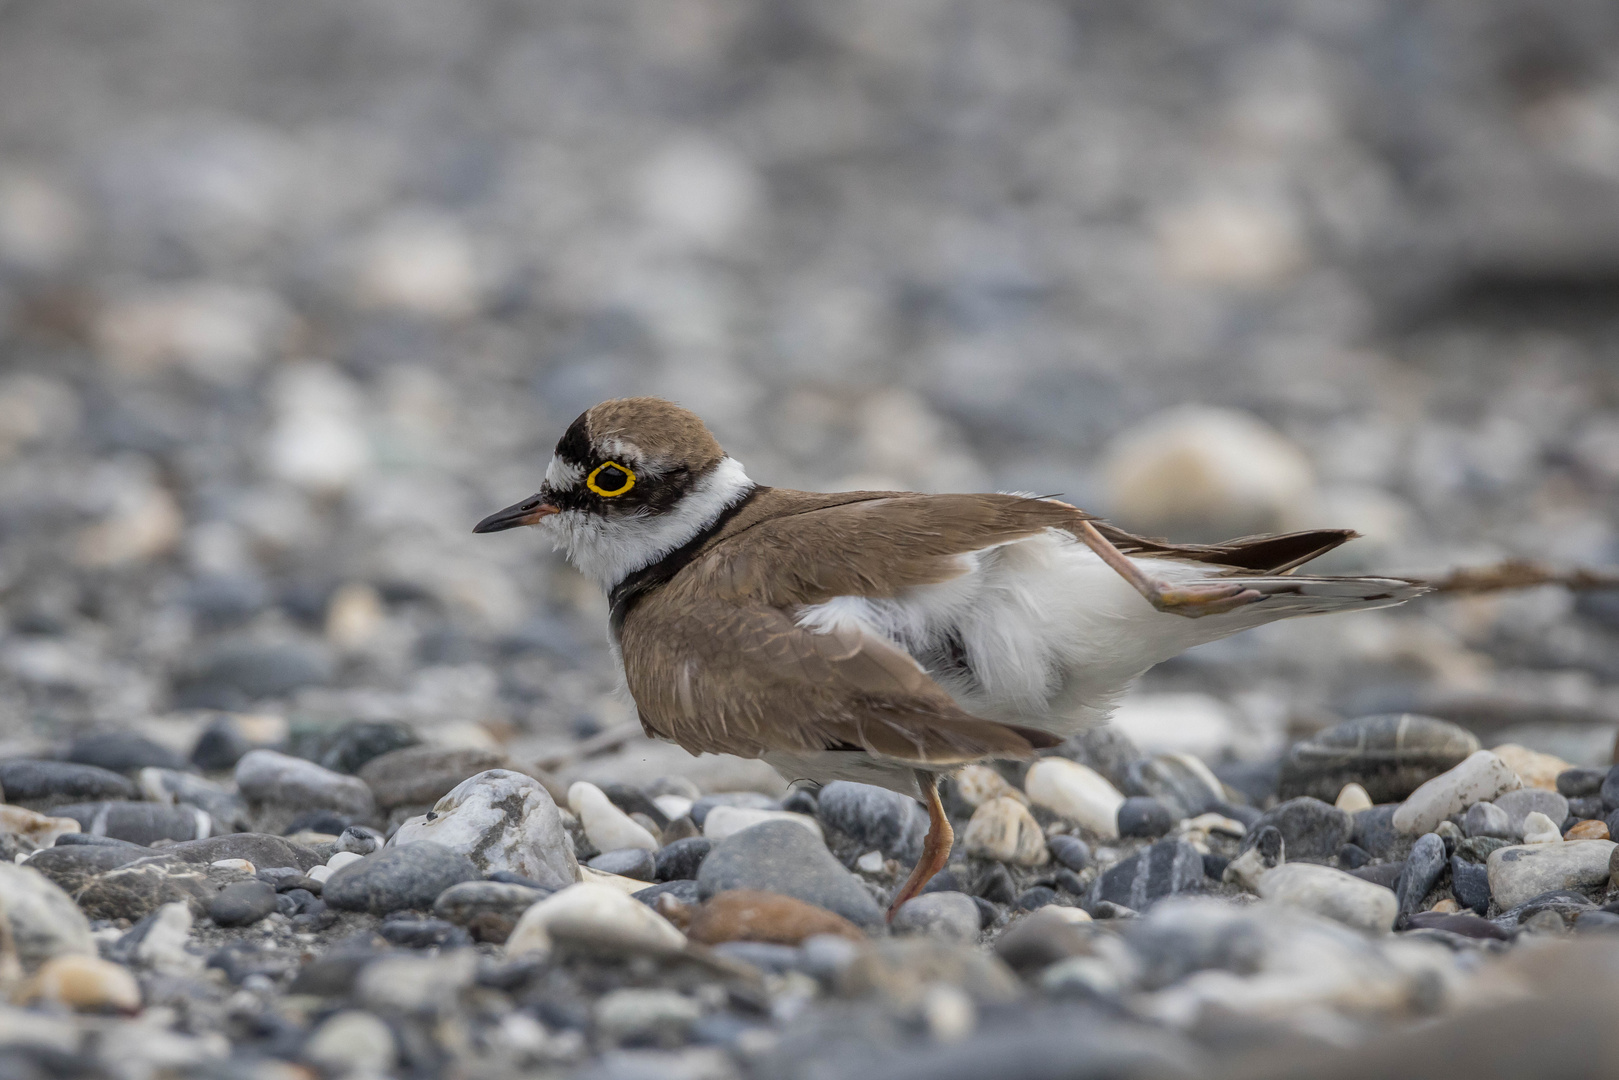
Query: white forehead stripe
point(561, 474)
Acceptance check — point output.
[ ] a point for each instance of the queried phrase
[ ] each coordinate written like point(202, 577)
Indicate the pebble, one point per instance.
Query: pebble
point(268, 779)
point(1375, 832)
point(360, 840)
point(122, 752)
point(1181, 781)
point(1483, 776)
point(1518, 805)
point(1141, 815)
point(977, 784)
point(747, 800)
point(750, 915)
point(1070, 851)
point(632, 800)
point(1268, 852)
point(596, 919)
point(221, 744)
point(875, 817)
point(1003, 829)
point(681, 859)
point(86, 983)
point(411, 876)
point(1518, 874)
point(1421, 873)
point(1075, 792)
point(786, 858)
point(137, 889)
point(673, 807)
point(406, 982)
point(1045, 937)
point(1389, 755)
point(1540, 829)
point(39, 830)
point(1463, 923)
point(723, 821)
point(1477, 848)
point(626, 862)
point(40, 785)
point(260, 849)
point(1588, 830)
point(501, 820)
point(242, 903)
point(1487, 819)
point(606, 825)
point(1353, 799)
point(1333, 894)
point(1313, 831)
point(42, 918)
point(352, 1042)
point(1581, 783)
point(1165, 868)
point(227, 810)
point(359, 742)
point(141, 823)
point(950, 915)
point(488, 909)
point(422, 775)
point(159, 942)
point(1535, 769)
point(660, 1017)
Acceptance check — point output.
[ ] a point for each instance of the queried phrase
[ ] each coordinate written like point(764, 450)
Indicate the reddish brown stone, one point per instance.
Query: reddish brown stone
point(749, 915)
point(1588, 830)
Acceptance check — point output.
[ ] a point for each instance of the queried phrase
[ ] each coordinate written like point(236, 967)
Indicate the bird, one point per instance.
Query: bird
point(885, 637)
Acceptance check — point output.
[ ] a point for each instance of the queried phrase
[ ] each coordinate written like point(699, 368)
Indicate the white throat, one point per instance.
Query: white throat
point(607, 550)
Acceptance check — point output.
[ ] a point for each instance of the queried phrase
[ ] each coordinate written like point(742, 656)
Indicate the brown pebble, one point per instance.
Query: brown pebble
point(749, 915)
point(85, 983)
point(680, 829)
point(1447, 906)
point(1588, 830)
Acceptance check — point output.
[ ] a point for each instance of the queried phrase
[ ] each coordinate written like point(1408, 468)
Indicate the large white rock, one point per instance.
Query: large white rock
point(1479, 778)
point(501, 820)
point(1003, 829)
point(594, 918)
point(44, 920)
point(1339, 896)
point(723, 821)
point(1523, 872)
point(608, 827)
point(1075, 792)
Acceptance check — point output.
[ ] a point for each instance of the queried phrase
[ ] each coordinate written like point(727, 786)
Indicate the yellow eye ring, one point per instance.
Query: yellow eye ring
point(629, 479)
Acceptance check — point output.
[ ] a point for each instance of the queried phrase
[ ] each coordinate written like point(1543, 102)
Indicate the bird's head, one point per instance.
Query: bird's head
point(630, 481)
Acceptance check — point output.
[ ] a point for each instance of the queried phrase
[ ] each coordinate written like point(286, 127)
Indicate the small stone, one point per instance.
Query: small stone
point(352, 1043)
point(1587, 830)
point(1165, 868)
point(1483, 776)
point(1518, 874)
point(86, 983)
point(1141, 815)
point(1333, 894)
point(1075, 792)
point(159, 942)
point(683, 890)
point(1035, 898)
point(1389, 756)
point(951, 915)
point(1070, 851)
point(1046, 937)
point(502, 820)
point(626, 862)
point(1581, 783)
point(42, 918)
point(412, 982)
point(226, 809)
point(141, 823)
point(1352, 856)
point(34, 829)
point(1518, 805)
point(422, 775)
point(122, 752)
point(361, 741)
point(1540, 829)
point(1374, 830)
point(1004, 830)
point(750, 915)
point(341, 859)
point(260, 849)
point(1478, 848)
point(747, 800)
point(1487, 819)
point(596, 919)
point(1587, 808)
point(1535, 769)
point(488, 909)
point(683, 828)
point(786, 858)
point(977, 784)
point(412, 931)
point(1312, 830)
point(673, 807)
point(724, 821)
point(40, 785)
point(242, 903)
point(221, 744)
point(660, 1017)
point(1268, 852)
point(1353, 799)
point(360, 840)
point(994, 884)
point(411, 876)
point(606, 825)
point(1458, 922)
point(872, 862)
point(1181, 781)
point(1470, 883)
point(681, 859)
point(875, 817)
point(1422, 869)
point(632, 800)
point(286, 786)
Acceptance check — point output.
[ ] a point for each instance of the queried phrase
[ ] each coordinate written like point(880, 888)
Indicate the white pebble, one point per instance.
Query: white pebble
point(1077, 793)
point(673, 806)
point(870, 863)
point(319, 873)
point(723, 821)
point(597, 918)
point(1481, 777)
point(1540, 829)
point(1333, 893)
point(1003, 829)
point(1353, 799)
point(341, 859)
point(608, 827)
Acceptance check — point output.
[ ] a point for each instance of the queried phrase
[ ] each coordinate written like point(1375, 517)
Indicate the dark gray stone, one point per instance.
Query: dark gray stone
point(1609, 790)
point(1165, 868)
point(995, 884)
point(1351, 856)
point(1389, 755)
point(1477, 848)
point(1175, 783)
point(750, 800)
point(122, 752)
point(875, 817)
point(780, 857)
point(1579, 782)
point(1587, 808)
point(633, 800)
point(223, 806)
point(488, 909)
point(1314, 831)
point(40, 785)
point(1070, 851)
point(1374, 831)
point(1470, 884)
point(242, 903)
point(398, 878)
point(1254, 780)
point(73, 865)
point(360, 741)
point(1519, 804)
point(422, 775)
point(136, 889)
point(625, 862)
point(1140, 815)
point(418, 932)
point(1422, 869)
point(1386, 874)
point(681, 859)
point(234, 674)
point(138, 822)
point(1035, 898)
point(685, 890)
point(260, 849)
point(221, 745)
point(1458, 922)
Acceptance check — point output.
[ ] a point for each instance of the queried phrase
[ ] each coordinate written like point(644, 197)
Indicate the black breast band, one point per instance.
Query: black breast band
point(627, 593)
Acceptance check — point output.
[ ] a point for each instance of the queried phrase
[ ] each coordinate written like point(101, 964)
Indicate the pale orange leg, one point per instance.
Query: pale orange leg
point(1192, 601)
point(935, 847)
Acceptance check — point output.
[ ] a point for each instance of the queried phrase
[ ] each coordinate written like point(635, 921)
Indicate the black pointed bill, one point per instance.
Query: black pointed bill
point(528, 512)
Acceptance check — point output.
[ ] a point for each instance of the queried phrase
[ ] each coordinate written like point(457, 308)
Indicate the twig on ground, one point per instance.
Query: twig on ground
point(1522, 574)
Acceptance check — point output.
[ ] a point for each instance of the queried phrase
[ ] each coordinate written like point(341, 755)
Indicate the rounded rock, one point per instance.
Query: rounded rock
point(1070, 851)
point(412, 876)
point(1075, 792)
point(607, 827)
point(681, 859)
point(1389, 755)
point(1333, 894)
point(875, 818)
point(626, 862)
point(749, 915)
point(43, 920)
point(1141, 815)
point(1518, 805)
point(1482, 776)
point(723, 821)
point(1421, 873)
point(785, 858)
point(1487, 819)
point(352, 1043)
point(292, 785)
point(596, 919)
point(242, 903)
point(85, 983)
point(501, 820)
point(950, 915)
point(1002, 829)
point(1521, 873)
point(488, 909)
point(40, 785)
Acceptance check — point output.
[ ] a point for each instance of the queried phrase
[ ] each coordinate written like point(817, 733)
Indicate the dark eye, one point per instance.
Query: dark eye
point(610, 479)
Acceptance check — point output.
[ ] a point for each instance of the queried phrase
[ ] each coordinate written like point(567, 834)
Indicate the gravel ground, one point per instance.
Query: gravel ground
point(292, 294)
